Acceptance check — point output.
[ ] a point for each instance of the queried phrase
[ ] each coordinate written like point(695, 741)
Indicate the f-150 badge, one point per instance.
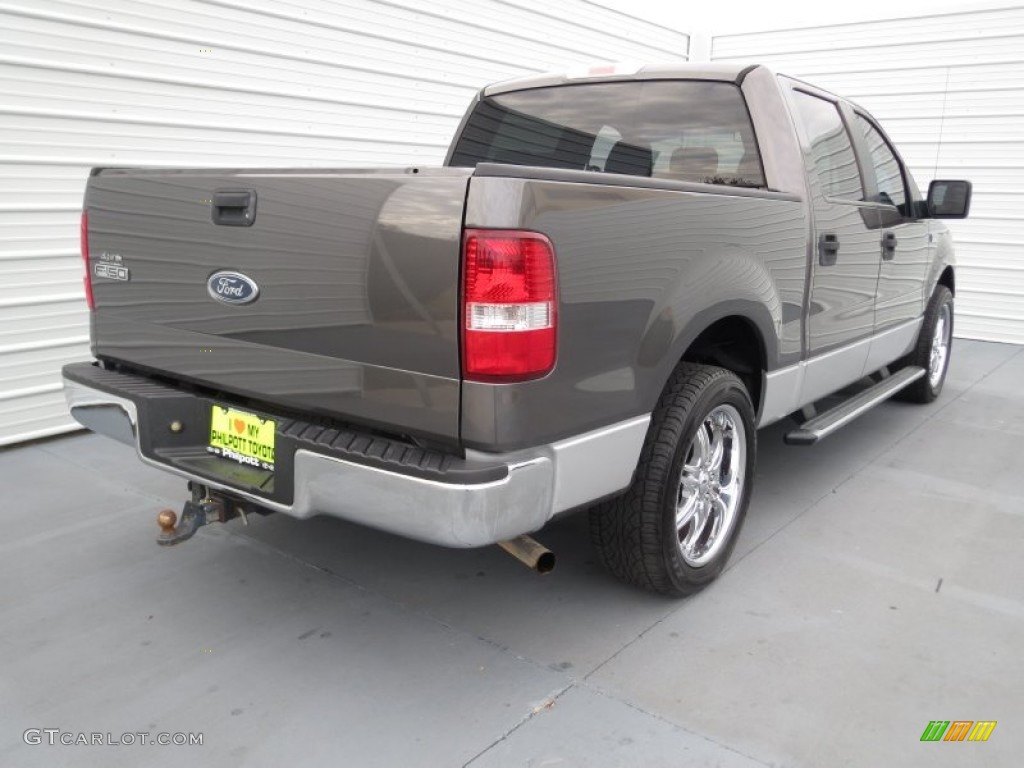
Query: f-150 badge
point(111, 266)
point(232, 287)
point(111, 271)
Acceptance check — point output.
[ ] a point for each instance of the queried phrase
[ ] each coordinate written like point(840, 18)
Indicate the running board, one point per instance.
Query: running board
point(825, 424)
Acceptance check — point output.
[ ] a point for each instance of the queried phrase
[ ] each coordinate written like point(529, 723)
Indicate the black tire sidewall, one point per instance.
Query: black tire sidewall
point(724, 390)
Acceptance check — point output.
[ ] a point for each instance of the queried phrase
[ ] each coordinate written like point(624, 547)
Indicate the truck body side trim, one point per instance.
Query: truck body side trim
point(788, 389)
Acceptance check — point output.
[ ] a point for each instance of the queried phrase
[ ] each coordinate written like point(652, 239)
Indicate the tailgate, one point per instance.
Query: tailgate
point(339, 298)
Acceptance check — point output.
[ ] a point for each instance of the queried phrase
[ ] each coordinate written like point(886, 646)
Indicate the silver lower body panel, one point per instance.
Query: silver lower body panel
point(790, 389)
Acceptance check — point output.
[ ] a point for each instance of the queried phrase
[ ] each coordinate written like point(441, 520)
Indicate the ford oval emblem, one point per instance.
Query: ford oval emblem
point(232, 287)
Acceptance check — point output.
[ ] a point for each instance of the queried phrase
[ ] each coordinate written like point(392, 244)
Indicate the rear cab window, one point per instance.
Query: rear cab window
point(684, 130)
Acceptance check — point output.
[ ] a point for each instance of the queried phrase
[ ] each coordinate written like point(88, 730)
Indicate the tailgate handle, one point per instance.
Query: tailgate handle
point(234, 207)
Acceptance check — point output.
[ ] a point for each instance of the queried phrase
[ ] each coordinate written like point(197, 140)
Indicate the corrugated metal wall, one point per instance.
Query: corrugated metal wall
point(232, 83)
point(949, 89)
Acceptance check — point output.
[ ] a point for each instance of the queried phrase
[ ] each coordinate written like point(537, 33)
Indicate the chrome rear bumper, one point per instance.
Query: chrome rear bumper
point(540, 482)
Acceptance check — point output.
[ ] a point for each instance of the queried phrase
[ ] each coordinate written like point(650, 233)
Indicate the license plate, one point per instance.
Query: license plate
point(242, 437)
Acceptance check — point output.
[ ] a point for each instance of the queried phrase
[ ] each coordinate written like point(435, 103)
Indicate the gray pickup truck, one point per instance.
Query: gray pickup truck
point(615, 280)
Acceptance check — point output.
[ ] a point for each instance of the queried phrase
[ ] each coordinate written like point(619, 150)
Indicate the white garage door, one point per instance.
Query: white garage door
point(949, 89)
point(232, 83)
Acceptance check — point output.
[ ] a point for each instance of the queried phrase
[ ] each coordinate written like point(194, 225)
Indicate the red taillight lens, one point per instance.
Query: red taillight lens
point(510, 304)
point(87, 280)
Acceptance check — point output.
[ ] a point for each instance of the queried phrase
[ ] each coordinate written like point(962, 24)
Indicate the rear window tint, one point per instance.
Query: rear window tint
point(686, 130)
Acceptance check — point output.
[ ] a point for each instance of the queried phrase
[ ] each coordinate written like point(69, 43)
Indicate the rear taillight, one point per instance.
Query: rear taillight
point(89, 300)
point(509, 305)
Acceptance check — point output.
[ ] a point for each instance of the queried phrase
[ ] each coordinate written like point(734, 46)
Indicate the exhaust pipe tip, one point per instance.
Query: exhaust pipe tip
point(545, 563)
point(530, 553)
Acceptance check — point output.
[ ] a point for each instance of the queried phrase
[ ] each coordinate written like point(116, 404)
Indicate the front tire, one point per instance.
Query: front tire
point(933, 350)
point(673, 530)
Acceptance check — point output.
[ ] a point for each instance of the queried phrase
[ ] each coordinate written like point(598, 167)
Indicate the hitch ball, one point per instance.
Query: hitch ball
point(167, 519)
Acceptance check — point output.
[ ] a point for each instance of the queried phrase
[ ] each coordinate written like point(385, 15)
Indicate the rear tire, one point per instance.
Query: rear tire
point(673, 530)
point(933, 350)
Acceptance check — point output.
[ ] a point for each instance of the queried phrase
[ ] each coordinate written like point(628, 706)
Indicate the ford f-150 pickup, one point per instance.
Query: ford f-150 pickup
point(614, 281)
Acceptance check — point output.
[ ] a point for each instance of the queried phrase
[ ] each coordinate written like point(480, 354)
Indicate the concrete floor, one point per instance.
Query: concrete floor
point(878, 585)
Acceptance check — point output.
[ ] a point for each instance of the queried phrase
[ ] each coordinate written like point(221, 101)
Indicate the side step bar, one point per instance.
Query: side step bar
point(825, 424)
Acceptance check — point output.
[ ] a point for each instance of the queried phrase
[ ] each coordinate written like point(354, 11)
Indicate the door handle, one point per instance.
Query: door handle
point(889, 246)
point(828, 249)
point(234, 208)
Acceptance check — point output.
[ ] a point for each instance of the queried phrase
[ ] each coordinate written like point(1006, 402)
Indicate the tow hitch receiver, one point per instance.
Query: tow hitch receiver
point(202, 510)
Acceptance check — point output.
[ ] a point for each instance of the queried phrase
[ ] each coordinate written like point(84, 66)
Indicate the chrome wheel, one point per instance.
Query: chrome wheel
point(711, 485)
point(940, 347)
point(673, 529)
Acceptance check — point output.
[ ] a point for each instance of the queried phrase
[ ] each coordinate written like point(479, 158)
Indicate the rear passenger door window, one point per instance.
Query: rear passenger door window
point(834, 159)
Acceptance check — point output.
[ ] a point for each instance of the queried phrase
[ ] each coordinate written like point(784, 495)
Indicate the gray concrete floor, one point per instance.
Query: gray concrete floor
point(878, 584)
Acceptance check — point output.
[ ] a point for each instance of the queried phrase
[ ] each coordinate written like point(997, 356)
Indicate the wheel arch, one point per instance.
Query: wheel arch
point(948, 279)
point(736, 341)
